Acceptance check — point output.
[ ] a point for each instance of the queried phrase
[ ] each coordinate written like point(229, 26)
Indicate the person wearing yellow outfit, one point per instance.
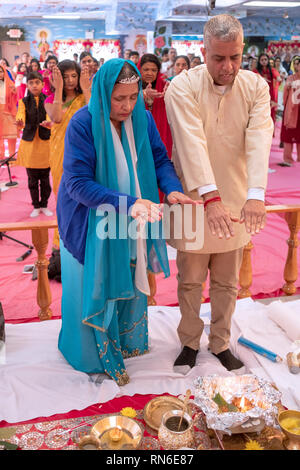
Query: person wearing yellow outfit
point(34, 147)
point(72, 92)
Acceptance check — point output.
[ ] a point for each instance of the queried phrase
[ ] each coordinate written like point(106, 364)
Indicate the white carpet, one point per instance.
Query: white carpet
point(36, 381)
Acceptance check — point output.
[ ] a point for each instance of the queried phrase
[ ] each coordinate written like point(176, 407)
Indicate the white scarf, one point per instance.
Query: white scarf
point(141, 278)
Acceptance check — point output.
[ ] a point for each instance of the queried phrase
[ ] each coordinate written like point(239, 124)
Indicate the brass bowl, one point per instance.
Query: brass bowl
point(157, 407)
point(131, 438)
point(293, 440)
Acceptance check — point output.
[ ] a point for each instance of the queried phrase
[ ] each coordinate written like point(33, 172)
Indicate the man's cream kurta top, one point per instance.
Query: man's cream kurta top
point(221, 139)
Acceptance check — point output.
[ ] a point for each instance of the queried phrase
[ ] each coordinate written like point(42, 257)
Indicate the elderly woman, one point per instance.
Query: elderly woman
point(154, 87)
point(113, 164)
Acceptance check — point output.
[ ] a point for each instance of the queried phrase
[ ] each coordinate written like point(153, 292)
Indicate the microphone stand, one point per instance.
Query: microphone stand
point(6, 162)
point(2, 234)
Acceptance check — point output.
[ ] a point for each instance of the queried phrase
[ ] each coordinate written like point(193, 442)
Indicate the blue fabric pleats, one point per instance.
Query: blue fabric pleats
point(95, 348)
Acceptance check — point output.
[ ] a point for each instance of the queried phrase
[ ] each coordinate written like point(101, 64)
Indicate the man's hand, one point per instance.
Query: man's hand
point(176, 197)
point(47, 124)
point(220, 220)
point(254, 215)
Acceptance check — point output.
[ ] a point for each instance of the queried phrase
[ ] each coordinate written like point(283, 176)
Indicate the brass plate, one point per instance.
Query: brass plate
point(132, 432)
point(157, 407)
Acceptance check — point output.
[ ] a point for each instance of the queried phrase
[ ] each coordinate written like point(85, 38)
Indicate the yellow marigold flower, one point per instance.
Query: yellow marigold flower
point(253, 445)
point(128, 411)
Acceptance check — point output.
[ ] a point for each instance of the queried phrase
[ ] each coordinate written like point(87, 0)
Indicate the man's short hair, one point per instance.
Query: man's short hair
point(133, 53)
point(34, 76)
point(224, 27)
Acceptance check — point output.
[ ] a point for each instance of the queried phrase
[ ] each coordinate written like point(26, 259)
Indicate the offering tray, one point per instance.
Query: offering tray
point(117, 433)
point(157, 407)
point(237, 404)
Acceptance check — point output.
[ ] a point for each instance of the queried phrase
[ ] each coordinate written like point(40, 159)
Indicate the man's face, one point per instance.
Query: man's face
point(134, 58)
point(172, 55)
point(196, 61)
point(126, 54)
point(24, 58)
point(223, 59)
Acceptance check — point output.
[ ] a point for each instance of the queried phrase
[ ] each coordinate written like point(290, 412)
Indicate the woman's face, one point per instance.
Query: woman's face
point(296, 65)
point(70, 80)
point(149, 72)
point(51, 64)
point(180, 65)
point(264, 60)
point(1, 73)
point(87, 61)
point(23, 68)
point(123, 101)
point(34, 66)
point(271, 62)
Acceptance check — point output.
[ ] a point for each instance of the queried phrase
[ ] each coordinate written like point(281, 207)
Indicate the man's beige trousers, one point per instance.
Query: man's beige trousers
point(192, 273)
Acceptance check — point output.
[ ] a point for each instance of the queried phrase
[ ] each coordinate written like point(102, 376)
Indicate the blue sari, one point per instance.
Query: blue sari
point(104, 315)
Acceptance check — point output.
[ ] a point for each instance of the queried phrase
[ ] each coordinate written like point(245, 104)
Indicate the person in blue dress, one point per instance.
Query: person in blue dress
point(114, 162)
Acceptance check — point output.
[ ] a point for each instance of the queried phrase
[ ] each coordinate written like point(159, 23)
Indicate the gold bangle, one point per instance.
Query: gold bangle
point(57, 102)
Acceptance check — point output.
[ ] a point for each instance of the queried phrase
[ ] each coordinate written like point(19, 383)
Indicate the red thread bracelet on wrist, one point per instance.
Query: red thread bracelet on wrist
point(213, 199)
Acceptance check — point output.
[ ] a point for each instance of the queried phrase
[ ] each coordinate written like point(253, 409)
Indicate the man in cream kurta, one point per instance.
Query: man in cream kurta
point(222, 133)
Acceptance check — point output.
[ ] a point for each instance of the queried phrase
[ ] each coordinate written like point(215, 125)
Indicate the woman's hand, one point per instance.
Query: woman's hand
point(85, 82)
point(146, 211)
point(175, 197)
point(151, 93)
point(57, 79)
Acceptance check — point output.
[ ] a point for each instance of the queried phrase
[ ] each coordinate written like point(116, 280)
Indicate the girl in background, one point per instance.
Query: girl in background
point(50, 62)
point(72, 90)
point(20, 82)
point(8, 111)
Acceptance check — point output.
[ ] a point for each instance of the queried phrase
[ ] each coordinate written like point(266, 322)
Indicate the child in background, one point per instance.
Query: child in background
point(8, 111)
point(20, 82)
point(34, 147)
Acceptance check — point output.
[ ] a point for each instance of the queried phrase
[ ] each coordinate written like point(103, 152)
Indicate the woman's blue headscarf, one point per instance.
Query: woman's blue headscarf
point(107, 273)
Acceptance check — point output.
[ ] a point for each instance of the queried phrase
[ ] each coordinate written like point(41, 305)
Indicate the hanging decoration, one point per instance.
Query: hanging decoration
point(99, 48)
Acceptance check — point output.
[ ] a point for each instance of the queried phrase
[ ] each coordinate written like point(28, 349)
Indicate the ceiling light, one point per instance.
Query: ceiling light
point(272, 4)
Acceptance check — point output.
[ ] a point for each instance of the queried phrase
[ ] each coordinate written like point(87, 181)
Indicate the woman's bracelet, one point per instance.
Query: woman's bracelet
point(57, 102)
point(213, 199)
